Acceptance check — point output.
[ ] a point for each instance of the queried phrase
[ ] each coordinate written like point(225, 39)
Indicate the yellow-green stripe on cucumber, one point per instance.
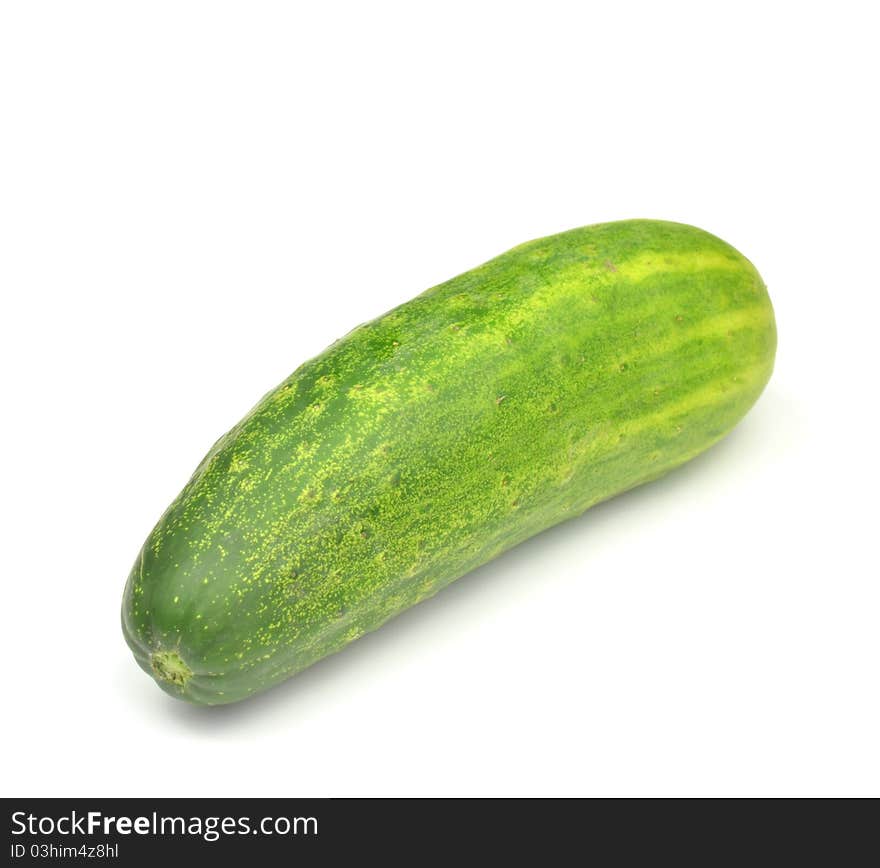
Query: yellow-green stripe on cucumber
point(430, 440)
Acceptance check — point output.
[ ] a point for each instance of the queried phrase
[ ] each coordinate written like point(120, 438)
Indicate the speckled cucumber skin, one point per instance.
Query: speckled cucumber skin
point(433, 438)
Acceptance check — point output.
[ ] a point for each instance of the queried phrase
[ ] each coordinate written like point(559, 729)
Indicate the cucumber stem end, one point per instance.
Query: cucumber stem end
point(169, 666)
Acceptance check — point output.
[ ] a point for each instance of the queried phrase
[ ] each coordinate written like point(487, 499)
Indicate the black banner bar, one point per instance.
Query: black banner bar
point(322, 831)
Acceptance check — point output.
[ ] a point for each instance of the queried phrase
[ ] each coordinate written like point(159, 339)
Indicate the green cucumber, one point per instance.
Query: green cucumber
point(433, 438)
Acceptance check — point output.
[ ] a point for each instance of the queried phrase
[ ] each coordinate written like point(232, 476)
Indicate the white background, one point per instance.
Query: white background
point(198, 197)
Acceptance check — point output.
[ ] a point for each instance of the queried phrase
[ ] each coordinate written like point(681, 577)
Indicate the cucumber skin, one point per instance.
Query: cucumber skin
point(430, 440)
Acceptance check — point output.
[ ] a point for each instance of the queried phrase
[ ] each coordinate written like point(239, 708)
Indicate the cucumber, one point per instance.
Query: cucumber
point(432, 439)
